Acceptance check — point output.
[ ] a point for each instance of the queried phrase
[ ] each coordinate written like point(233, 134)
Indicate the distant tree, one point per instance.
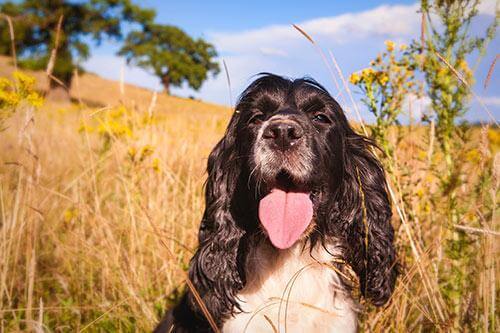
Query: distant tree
point(171, 55)
point(36, 22)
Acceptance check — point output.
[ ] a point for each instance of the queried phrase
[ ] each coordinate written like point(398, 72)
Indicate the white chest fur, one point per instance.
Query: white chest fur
point(292, 291)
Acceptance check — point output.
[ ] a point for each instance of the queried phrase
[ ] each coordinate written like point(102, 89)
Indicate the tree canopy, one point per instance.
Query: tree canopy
point(36, 24)
point(165, 50)
point(170, 54)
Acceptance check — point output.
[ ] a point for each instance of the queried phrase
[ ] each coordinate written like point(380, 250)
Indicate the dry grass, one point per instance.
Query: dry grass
point(85, 225)
point(97, 226)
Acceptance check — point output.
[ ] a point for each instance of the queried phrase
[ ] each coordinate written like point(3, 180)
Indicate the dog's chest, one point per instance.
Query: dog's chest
point(292, 291)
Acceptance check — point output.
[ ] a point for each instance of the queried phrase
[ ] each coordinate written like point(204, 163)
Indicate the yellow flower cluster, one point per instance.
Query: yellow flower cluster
point(390, 45)
point(115, 123)
point(70, 214)
point(156, 165)
point(120, 125)
point(368, 76)
point(140, 155)
point(384, 69)
point(384, 85)
point(20, 89)
point(463, 67)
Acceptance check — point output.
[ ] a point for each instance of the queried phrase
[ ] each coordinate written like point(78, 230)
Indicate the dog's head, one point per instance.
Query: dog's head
point(290, 168)
point(292, 140)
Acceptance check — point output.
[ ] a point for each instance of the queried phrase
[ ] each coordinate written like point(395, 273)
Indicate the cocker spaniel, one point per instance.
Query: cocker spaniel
point(293, 196)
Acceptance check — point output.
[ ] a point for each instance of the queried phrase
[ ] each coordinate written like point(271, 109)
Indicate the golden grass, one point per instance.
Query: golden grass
point(98, 223)
point(81, 227)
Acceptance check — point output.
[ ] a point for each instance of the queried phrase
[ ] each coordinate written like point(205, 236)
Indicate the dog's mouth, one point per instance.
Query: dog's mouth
point(286, 211)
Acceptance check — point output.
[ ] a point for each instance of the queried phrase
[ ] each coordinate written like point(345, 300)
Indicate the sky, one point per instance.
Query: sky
point(257, 36)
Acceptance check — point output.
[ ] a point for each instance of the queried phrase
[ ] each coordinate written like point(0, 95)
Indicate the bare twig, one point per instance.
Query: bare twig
point(228, 83)
point(348, 90)
point(476, 230)
point(490, 71)
point(325, 60)
point(422, 30)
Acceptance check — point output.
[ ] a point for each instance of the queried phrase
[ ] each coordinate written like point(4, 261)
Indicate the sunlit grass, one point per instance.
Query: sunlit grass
point(100, 208)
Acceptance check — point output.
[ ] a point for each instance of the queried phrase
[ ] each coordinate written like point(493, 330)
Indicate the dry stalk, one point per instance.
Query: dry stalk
point(12, 39)
point(490, 71)
point(53, 53)
point(228, 79)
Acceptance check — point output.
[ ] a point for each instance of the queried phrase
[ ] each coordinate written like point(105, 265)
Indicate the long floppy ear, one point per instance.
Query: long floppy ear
point(366, 215)
point(213, 270)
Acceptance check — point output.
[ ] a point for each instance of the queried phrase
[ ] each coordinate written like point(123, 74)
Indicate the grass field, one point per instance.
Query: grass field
point(100, 203)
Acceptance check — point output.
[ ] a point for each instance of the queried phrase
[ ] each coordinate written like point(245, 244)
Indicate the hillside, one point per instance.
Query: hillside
point(96, 91)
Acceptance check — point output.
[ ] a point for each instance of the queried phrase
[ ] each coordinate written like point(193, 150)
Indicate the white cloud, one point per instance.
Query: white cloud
point(273, 52)
point(283, 50)
point(415, 106)
point(491, 100)
point(488, 7)
point(386, 21)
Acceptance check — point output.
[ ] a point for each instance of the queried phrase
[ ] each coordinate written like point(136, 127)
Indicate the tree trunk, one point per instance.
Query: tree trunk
point(165, 80)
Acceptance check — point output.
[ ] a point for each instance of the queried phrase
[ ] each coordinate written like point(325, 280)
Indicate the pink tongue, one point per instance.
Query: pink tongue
point(285, 216)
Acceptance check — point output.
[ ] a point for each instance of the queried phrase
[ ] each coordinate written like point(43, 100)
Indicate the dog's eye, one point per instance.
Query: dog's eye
point(321, 118)
point(256, 118)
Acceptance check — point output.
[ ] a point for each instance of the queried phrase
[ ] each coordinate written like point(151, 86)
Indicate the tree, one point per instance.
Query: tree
point(36, 24)
point(171, 55)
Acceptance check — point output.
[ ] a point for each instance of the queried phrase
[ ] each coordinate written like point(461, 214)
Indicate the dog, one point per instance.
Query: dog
point(295, 199)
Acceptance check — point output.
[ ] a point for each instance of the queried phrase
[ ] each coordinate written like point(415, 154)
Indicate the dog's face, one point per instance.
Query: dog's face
point(291, 143)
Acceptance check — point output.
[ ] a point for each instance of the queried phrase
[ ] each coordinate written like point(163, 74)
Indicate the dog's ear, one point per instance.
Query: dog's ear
point(213, 269)
point(366, 214)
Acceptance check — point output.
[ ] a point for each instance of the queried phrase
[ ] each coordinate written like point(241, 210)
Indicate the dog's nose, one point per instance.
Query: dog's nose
point(283, 133)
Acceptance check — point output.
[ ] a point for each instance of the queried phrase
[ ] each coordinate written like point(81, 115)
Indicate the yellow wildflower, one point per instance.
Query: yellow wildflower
point(34, 99)
point(354, 78)
point(473, 156)
point(146, 151)
point(383, 78)
point(69, 214)
point(156, 165)
point(389, 44)
point(131, 152)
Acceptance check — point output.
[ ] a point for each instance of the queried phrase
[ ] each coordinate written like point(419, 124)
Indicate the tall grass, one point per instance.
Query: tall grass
point(100, 207)
point(98, 221)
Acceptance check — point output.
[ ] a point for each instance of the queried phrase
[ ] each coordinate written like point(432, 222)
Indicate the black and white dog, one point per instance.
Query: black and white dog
point(293, 194)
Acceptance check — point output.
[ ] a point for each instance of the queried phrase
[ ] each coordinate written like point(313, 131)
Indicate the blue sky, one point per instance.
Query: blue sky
point(257, 36)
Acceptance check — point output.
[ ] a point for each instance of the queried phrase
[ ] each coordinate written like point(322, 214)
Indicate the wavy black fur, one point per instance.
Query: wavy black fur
point(351, 196)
